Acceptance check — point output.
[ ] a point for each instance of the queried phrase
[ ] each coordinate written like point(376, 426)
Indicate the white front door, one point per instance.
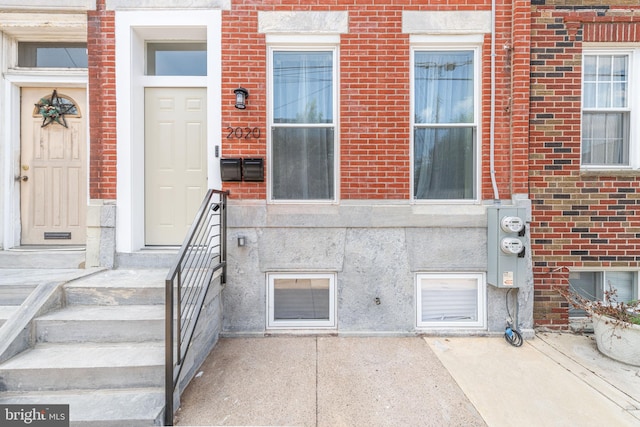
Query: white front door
point(175, 146)
point(53, 183)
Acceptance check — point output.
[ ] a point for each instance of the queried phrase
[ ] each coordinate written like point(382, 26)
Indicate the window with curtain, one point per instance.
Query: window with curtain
point(605, 110)
point(444, 125)
point(621, 286)
point(302, 125)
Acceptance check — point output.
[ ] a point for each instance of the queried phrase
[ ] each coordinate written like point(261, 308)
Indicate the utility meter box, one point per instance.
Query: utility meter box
point(506, 238)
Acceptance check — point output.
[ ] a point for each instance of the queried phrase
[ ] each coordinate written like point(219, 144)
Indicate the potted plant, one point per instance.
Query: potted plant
point(616, 325)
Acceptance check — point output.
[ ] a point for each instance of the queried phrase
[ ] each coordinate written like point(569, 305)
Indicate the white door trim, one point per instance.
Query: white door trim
point(132, 29)
point(10, 137)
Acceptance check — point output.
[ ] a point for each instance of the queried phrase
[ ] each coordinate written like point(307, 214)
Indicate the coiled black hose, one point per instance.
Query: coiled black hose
point(511, 334)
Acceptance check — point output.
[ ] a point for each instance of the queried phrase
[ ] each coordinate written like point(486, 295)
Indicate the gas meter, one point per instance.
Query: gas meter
point(506, 237)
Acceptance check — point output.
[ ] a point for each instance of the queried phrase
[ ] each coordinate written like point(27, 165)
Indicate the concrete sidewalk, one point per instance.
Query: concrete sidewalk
point(552, 380)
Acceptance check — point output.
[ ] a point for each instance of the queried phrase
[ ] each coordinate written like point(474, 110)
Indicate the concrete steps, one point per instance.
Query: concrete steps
point(6, 311)
point(49, 258)
point(11, 296)
point(113, 323)
point(118, 287)
point(86, 366)
point(15, 294)
point(139, 407)
point(102, 352)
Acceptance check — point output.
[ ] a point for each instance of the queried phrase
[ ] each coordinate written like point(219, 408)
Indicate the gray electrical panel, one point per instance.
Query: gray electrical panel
point(506, 232)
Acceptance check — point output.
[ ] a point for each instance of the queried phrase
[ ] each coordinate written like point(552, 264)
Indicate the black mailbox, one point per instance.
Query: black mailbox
point(253, 169)
point(231, 169)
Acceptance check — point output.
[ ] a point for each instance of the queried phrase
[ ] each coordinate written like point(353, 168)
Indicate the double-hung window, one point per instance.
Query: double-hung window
point(302, 121)
point(606, 110)
point(445, 123)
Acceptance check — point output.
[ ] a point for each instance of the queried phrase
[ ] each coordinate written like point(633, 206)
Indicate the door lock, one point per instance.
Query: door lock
point(22, 178)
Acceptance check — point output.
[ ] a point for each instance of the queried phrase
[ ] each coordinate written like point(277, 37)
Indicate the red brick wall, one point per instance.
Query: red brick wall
point(374, 93)
point(579, 220)
point(102, 105)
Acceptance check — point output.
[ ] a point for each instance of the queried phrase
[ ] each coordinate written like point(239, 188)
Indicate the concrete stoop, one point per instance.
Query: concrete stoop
point(102, 352)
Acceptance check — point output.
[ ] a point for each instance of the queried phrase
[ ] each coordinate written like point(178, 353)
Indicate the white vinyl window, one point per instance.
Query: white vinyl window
point(445, 105)
point(301, 300)
point(605, 110)
point(451, 300)
point(302, 123)
point(610, 111)
point(594, 286)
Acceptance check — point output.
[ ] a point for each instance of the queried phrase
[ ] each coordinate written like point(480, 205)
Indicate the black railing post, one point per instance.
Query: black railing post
point(168, 355)
point(223, 237)
point(186, 288)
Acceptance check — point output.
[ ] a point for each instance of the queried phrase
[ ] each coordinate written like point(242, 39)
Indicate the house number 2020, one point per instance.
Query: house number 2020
point(246, 132)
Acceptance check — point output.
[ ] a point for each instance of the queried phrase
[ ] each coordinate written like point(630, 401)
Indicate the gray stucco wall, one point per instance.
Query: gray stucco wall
point(376, 251)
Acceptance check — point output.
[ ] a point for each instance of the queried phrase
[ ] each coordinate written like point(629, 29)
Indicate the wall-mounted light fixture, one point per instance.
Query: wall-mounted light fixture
point(242, 241)
point(241, 97)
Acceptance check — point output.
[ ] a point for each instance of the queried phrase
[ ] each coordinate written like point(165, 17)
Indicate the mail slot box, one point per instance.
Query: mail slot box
point(231, 169)
point(253, 169)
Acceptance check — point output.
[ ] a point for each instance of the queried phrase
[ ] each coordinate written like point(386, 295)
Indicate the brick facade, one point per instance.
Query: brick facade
point(375, 94)
point(580, 219)
point(102, 94)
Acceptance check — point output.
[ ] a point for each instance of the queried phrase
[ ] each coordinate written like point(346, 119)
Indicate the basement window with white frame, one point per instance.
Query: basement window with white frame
point(301, 300)
point(450, 300)
point(594, 286)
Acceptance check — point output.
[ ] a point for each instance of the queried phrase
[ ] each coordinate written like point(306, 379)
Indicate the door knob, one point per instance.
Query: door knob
point(22, 178)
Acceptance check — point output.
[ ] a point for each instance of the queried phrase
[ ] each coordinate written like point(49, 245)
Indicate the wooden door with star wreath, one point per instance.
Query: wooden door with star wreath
point(53, 166)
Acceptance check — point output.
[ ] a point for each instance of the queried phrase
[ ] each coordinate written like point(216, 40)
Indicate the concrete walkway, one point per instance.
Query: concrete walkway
point(552, 380)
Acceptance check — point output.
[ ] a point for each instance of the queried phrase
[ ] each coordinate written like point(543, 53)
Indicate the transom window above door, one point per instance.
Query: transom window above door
point(52, 55)
point(176, 59)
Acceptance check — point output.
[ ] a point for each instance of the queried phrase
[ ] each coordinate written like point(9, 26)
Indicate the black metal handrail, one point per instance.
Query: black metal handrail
point(203, 253)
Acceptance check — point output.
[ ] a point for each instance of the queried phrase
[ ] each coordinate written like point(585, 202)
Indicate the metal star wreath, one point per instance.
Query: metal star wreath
point(53, 109)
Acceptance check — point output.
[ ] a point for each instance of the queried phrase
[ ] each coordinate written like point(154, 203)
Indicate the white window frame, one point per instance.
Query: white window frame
point(272, 323)
point(433, 43)
point(304, 43)
point(480, 323)
point(132, 31)
point(603, 273)
point(633, 106)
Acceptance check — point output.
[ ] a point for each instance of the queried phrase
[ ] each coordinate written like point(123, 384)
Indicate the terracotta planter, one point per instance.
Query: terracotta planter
point(619, 342)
